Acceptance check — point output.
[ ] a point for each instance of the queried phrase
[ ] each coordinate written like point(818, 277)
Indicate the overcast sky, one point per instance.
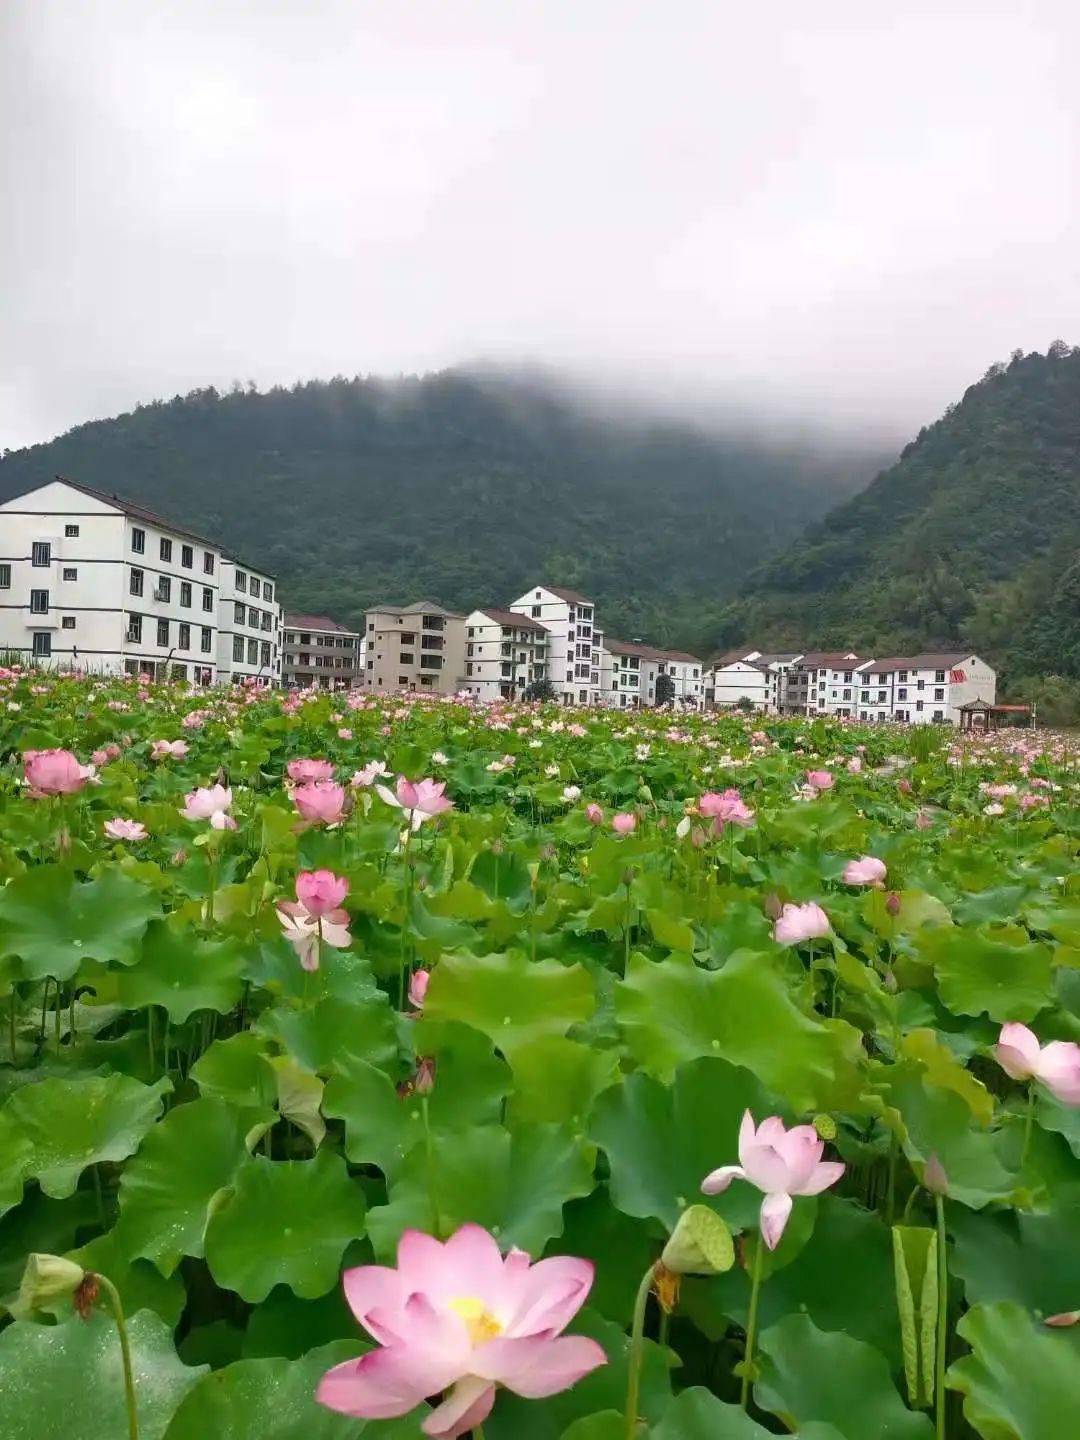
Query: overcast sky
point(837, 209)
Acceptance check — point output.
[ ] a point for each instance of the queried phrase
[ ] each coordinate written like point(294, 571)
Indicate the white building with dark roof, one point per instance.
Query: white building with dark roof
point(92, 582)
point(925, 689)
point(636, 671)
point(505, 653)
point(573, 649)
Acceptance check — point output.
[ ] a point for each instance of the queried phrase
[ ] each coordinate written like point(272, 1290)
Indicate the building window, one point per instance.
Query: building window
point(267, 620)
point(187, 556)
point(71, 532)
point(939, 694)
point(138, 541)
point(206, 640)
point(41, 554)
point(268, 590)
point(135, 583)
point(42, 643)
point(69, 573)
point(939, 715)
point(241, 581)
point(208, 562)
point(939, 676)
point(39, 602)
point(253, 618)
point(264, 652)
point(238, 612)
point(165, 548)
point(253, 652)
point(164, 588)
point(163, 632)
point(184, 638)
point(185, 594)
point(238, 647)
point(256, 588)
point(134, 629)
point(5, 577)
point(407, 657)
point(67, 622)
point(207, 598)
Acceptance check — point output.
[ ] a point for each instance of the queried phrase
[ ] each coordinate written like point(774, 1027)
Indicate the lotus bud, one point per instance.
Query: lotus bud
point(892, 903)
point(934, 1178)
point(533, 868)
point(700, 1244)
point(45, 1279)
point(424, 1083)
point(1064, 1320)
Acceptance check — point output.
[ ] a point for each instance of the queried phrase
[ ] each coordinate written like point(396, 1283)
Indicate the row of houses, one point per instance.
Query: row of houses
point(90, 581)
point(929, 688)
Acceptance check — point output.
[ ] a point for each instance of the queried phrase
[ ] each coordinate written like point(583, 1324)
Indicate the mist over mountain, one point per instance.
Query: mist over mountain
point(466, 486)
point(971, 538)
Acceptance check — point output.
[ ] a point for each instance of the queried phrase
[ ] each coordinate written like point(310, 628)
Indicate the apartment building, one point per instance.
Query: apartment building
point(753, 675)
point(505, 653)
point(925, 689)
point(574, 656)
point(319, 653)
point(249, 625)
point(93, 582)
point(414, 647)
point(636, 671)
point(823, 682)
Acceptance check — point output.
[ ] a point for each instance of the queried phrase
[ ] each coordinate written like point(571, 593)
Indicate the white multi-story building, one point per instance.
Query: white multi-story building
point(573, 649)
point(505, 653)
point(751, 675)
point(823, 682)
point(635, 676)
point(925, 689)
point(91, 582)
point(249, 625)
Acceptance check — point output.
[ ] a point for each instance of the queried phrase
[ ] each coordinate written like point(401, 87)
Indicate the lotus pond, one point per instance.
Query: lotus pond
point(376, 1068)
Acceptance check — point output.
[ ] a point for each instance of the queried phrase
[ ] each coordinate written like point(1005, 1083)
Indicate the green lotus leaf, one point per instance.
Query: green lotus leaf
point(1022, 1380)
point(807, 1375)
point(672, 1011)
point(167, 1190)
point(514, 1183)
point(274, 1399)
point(299, 1096)
point(287, 1223)
point(606, 1425)
point(997, 972)
point(288, 1326)
point(182, 972)
point(72, 1124)
point(320, 1037)
point(697, 1414)
point(63, 1381)
point(234, 1070)
point(1033, 1259)
point(51, 1227)
point(141, 1286)
point(557, 1080)
point(662, 1140)
point(54, 922)
point(509, 998)
point(15, 1152)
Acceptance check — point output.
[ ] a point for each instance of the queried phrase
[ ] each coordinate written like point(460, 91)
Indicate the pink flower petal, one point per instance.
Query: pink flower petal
point(1018, 1041)
point(557, 1364)
point(826, 1173)
point(373, 1287)
point(775, 1210)
point(468, 1405)
point(548, 1295)
point(766, 1168)
point(717, 1181)
point(379, 1386)
point(1059, 1070)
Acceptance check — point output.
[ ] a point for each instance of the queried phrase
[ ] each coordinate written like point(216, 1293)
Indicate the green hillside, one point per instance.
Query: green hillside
point(458, 487)
point(971, 538)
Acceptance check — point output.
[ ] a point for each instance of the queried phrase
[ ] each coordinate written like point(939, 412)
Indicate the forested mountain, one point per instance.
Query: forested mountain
point(461, 487)
point(971, 538)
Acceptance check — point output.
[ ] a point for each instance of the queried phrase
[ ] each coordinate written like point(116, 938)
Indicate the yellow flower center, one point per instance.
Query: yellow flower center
point(479, 1321)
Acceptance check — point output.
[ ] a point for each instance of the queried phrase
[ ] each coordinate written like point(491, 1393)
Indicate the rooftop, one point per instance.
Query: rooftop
point(418, 607)
point(316, 622)
point(512, 619)
point(929, 660)
point(139, 512)
point(572, 597)
point(831, 659)
point(648, 652)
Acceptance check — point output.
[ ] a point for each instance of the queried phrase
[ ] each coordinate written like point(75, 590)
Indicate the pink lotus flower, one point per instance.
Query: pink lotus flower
point(54, 772)
point(459, 1319)
point(304, 931)
point(421, 801)
point(309, 772)
point(867, 871)
point(1057, 1065)
point(168, 750)
point(624, 824)
point(320, 891)
point(820, 779)
point(210, 804)
point(725, 807)
point(418, 988)
point(797, 923)
point(121, 829)
point(781, 1163)
point(322, 802)
point(854, 765)
point(594, 814)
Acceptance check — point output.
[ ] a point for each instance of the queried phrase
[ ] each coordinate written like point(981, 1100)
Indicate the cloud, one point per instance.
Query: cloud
point(837, 213)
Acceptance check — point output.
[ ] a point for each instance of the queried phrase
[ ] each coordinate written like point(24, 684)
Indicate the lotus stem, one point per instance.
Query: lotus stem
point(637, 1350)
point(943, 1320)
point(113, 1297)
point(1029, 1119)
point(751, 1323)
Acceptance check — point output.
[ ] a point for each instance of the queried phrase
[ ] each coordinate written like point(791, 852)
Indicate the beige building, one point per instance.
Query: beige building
point(319, 652)
point(414, 647)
